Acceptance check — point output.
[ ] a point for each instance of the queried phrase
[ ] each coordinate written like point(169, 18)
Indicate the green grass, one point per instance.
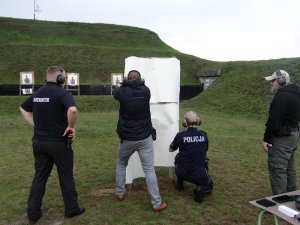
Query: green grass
point(238, 166)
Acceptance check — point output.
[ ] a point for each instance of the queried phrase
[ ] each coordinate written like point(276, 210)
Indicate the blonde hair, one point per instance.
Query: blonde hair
point(191, 118)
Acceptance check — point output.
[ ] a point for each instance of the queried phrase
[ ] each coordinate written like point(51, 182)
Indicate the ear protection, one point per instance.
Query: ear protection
point(60, 79)
point(280, 78)
point(191, 118)
point(184, 123)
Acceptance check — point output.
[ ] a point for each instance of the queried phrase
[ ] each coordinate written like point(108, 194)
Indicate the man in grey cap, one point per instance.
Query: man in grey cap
point(282, 132)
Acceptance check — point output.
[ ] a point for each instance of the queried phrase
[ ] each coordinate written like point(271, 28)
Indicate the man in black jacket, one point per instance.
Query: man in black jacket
point(134, 130)
point(282, 132)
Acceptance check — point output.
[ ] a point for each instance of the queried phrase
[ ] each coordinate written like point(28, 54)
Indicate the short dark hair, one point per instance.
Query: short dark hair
point(134, 75)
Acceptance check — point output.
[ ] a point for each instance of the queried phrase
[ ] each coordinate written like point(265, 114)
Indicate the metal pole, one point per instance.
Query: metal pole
point(34, 9)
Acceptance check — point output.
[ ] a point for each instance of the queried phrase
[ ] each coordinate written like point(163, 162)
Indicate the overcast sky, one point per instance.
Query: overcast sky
point(218, 30)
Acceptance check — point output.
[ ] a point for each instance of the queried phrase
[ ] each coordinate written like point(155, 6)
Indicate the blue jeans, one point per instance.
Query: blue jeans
point(144, 149)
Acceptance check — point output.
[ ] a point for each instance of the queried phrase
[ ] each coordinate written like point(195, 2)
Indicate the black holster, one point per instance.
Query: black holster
point(153, 133)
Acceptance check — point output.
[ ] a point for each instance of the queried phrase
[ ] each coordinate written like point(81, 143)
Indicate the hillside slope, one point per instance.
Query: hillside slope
point(93, 50)
point(97, 50)
point(243, 89)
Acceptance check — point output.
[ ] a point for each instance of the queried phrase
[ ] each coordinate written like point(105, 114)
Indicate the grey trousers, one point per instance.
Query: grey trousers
point(144, 148)
point(281, 165)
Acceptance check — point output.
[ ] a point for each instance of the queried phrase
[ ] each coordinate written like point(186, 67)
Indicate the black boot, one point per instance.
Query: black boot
point(35, 220)
point(179, 186)
point(198, 194)
point(75, 213)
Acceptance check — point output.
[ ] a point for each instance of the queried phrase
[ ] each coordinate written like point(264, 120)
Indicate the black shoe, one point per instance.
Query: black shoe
point(76, 213)
point(179, 187)
point(34, 221)
point(198, 194)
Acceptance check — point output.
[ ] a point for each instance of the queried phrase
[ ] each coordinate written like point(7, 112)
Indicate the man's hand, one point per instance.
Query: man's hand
point(265, 146)
point(71, 133)
point(28, 116)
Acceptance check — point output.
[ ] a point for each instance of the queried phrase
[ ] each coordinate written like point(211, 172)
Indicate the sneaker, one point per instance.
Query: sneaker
point(80, 211)
point(120, 197)
point(162, 206)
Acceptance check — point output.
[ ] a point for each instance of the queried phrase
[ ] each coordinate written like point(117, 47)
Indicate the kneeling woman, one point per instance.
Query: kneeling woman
point(191, 161)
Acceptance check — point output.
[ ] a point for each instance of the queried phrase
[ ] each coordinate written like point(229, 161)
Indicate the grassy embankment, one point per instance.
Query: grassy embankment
point(97, 50)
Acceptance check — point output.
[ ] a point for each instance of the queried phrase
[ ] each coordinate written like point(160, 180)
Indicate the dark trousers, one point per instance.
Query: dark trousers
point(282, 171)
point(198, 176)
point(46, 154)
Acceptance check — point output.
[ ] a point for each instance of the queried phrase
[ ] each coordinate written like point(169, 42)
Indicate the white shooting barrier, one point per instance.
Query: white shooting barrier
point(162, 76)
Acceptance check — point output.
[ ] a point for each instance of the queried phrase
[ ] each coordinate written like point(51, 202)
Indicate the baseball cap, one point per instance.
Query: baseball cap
point(277, 74)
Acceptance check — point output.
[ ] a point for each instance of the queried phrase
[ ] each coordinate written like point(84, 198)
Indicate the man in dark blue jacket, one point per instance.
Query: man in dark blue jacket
point(52, 112)
point(134, 130)
point(191, 161)
point(282, 132)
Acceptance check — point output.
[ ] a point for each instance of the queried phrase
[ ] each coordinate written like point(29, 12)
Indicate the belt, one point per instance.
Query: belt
point(294, 129)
